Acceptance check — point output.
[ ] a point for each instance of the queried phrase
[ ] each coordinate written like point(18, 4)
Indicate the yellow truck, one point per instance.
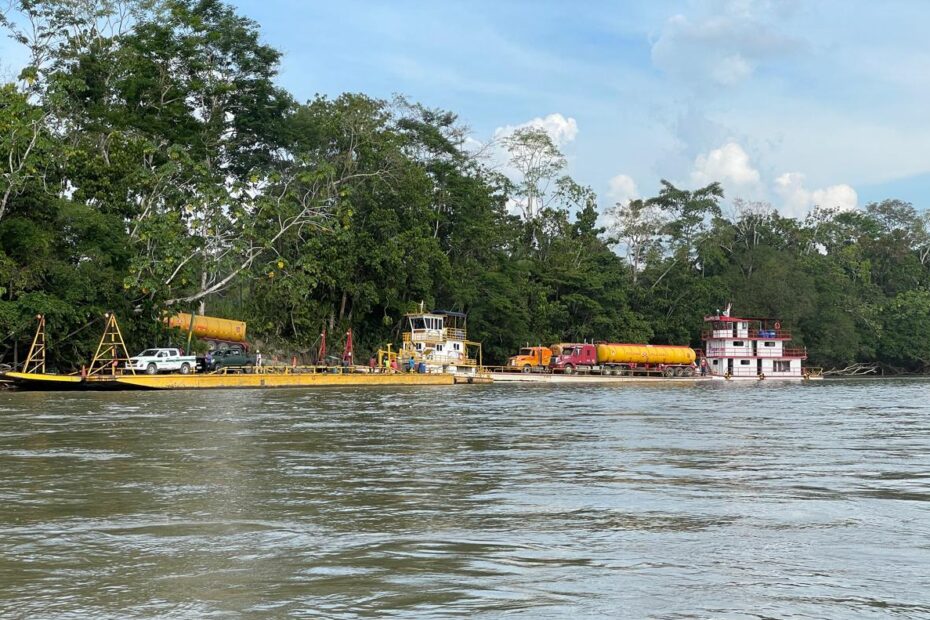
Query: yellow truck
point(531, 359)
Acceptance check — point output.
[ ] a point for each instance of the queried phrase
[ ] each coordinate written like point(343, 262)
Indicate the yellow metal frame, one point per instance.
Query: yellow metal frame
point(108, 350)
point(35, 361)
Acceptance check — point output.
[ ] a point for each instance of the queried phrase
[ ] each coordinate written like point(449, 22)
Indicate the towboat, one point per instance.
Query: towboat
point(737, 348)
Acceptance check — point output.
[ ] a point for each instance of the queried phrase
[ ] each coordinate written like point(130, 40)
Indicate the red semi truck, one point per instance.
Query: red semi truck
point(623, 359)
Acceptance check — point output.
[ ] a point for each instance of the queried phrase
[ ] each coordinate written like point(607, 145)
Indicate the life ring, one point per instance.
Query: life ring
point(777, 325)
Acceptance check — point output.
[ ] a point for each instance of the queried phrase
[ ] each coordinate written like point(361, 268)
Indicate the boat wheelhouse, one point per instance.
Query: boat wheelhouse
point(439, 339)
point(756, 348)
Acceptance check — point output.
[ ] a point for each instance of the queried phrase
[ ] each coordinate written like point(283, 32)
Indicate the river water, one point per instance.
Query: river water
point(669, 501)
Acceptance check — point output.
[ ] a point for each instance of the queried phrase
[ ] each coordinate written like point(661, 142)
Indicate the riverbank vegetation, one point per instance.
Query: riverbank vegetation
point(149, 161)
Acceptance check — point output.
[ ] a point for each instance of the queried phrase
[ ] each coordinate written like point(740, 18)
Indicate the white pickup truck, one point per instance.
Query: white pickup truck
point(153, 361)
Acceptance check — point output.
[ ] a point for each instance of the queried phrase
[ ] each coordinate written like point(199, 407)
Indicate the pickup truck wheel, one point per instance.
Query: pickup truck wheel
point(151, 369)
point(185, 369)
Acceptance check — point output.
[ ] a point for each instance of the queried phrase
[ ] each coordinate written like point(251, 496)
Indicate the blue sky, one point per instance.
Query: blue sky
point(795, 103)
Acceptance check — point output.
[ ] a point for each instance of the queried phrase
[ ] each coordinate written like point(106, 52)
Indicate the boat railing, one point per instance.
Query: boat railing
point(752, 334)
point(747, 352)
point(454, 333)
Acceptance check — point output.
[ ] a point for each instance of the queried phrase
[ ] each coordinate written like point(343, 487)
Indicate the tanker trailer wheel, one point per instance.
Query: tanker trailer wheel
point(151, 369)
point(669, 372)
point(679, 372)
point(689, 372)
point(527, 369)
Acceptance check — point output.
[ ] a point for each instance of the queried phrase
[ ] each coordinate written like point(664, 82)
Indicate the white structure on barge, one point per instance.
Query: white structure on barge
point(750, 348)
point(439, 340)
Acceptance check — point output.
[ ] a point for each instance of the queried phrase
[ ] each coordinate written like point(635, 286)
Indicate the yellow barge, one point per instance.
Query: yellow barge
point(109, 371)
point(269, 379)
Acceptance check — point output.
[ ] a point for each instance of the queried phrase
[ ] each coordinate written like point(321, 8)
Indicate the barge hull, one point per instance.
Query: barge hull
point(52, 382)
point(276, 380)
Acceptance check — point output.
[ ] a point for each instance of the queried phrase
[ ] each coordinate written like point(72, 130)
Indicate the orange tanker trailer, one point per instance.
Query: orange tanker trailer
point(209, 328)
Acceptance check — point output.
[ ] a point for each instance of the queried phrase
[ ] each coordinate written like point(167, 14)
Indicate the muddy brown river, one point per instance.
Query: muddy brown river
point(668, 501)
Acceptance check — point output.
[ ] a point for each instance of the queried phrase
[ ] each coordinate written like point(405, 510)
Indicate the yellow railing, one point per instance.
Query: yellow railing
point(451, 333)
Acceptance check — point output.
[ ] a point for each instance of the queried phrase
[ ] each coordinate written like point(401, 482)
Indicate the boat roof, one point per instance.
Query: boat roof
point(733, 319)
point(459, 315)
point(450, 313)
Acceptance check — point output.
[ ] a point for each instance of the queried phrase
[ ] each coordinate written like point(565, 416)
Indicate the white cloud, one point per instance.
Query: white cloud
point(797, 200)
point(622, 189)
point(731, 69)
point(562, 130)
point(729, 165)
point(724, 47)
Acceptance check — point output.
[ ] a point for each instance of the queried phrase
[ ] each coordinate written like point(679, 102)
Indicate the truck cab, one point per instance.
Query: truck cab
point(233, 356)
point(531, 359)
point(573, 357)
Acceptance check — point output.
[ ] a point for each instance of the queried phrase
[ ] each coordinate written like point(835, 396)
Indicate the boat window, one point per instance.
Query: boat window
point(455, 346)
point(783, 366)
point(738, 343)
point(744, 362)
point(417, 323)
point(439, 347)
point(770, 344)
point(715, 362)
point(419, 346)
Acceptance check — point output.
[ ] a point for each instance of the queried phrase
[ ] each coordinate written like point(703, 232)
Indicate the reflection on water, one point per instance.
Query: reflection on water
point(723, 501)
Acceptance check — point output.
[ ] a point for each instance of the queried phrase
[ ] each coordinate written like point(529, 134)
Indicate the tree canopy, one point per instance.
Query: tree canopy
point(150, 162)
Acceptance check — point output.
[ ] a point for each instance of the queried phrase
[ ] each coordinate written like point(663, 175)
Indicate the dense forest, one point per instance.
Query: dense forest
point(149, 162)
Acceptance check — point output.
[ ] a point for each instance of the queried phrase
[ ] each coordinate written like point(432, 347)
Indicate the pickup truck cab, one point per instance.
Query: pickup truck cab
point(233, 356)
point(152, 361)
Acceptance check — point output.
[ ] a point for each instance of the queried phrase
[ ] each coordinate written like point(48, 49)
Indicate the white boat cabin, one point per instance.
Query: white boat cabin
point(755, 348)
point(439, 340)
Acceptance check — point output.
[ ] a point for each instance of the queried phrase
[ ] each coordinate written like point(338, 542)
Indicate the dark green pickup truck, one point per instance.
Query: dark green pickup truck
point(234, 356)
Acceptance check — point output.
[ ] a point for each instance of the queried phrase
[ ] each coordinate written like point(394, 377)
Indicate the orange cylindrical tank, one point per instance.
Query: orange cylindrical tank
point(644, 354)
point(209, 327)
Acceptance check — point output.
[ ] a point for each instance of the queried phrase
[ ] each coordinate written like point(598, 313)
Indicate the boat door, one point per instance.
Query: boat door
point(730, 366)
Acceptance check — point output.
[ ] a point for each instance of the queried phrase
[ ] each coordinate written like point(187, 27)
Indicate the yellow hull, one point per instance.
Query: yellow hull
point(276, 380)
point(220, 381)
point(44, 381)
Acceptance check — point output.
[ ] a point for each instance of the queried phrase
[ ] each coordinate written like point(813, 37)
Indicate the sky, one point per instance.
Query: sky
point(794, 103)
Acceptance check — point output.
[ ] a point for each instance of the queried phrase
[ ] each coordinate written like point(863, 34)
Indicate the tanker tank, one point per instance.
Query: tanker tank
point(644, 354)
point(208, 327)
